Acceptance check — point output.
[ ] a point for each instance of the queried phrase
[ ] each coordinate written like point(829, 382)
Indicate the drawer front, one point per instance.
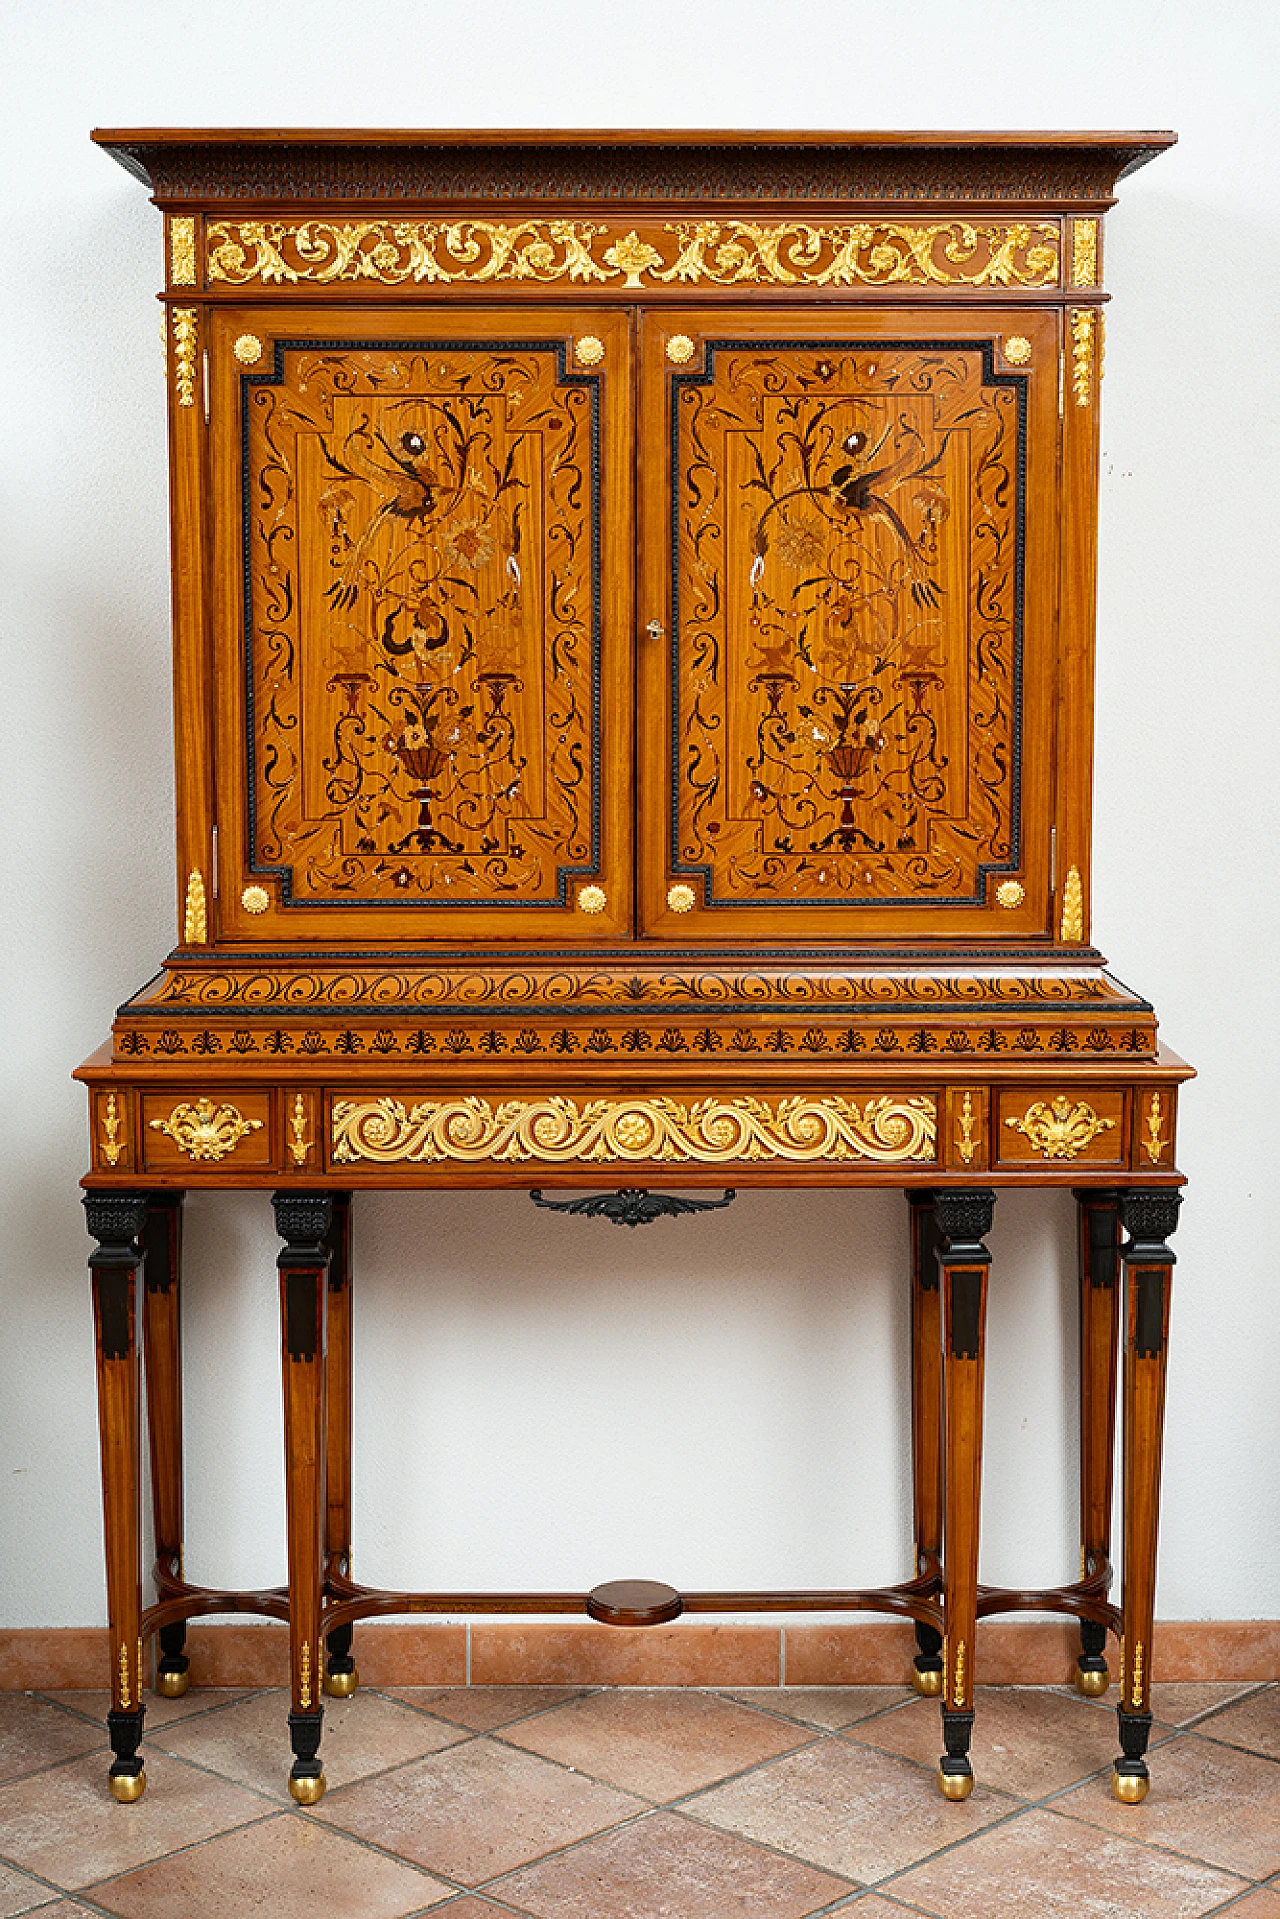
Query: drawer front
point(1051, 1125)
point(188, 1127)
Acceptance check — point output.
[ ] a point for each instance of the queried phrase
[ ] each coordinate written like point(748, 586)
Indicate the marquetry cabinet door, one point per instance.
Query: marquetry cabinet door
point(422, 623)
point(850, 522)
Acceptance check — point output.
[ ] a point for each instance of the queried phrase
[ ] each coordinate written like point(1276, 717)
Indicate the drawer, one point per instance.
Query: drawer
point(183, 1128)
point(1060, 1125)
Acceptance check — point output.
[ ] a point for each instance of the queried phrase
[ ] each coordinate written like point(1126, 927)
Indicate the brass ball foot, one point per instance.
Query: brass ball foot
point(1092, 1682)
point(126, 1786)
point(927, 1684)
point(341, 1685)
point(1130, 1788)
point(955, 1785)
point(307, 1792)
point(172, 1685)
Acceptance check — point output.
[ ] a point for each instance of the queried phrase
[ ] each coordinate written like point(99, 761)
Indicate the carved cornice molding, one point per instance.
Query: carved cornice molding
point(617, 166)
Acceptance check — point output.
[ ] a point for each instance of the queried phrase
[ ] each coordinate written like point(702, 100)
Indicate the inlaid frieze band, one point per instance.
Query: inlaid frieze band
point(555, 1131)
point(949, 253)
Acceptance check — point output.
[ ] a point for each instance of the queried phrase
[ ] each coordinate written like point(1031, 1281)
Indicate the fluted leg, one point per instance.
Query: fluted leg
point(962, 1220)
point(1099, 1240)
point(340, 1676)
point(118, 1221)
point(162, 1347)
point(1149, 1218)
point(304, 1221)
point(926, 1424)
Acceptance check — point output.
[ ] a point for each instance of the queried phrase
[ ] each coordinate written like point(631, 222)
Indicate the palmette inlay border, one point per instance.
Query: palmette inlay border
point(1013, 253)
point(555, 1131)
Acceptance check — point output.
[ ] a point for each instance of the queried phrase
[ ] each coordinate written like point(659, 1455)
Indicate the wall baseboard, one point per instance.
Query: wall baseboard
point(534, 1652)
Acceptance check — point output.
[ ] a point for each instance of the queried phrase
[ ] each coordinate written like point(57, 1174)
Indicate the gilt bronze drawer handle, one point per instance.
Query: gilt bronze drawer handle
point(204, 1131)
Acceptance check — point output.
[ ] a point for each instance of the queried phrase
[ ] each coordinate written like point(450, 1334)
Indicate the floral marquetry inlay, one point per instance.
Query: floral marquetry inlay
point(1013, 253)
point(422, 537)
point(848, 582)
point(890, 1130)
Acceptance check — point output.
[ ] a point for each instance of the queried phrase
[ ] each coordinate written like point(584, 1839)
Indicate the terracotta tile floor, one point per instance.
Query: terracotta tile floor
point(562, 1802)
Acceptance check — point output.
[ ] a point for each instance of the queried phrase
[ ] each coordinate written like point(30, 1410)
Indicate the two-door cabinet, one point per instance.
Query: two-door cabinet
point(633, 603)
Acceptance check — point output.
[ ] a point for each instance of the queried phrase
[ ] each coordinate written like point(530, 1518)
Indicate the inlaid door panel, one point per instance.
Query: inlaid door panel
point(423, 624)
point(850, 542)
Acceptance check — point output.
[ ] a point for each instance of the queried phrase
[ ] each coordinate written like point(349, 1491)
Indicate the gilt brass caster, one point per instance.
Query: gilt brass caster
point(172, 1685)
point(307, 1792)
point(1130, 1788)
point(126, 1786)
point(1092, 1683)
point(927, 1684)
point(955, 1785)
point(341, 1685)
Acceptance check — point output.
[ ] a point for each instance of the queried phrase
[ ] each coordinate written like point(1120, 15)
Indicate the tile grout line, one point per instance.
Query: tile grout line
point(782, 1655)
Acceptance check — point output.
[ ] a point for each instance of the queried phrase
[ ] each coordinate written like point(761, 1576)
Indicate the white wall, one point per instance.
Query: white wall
point(707, 1402)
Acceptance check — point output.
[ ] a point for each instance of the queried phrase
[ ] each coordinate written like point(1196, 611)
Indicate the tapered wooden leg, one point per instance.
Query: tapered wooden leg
point(304, 1221)
point(962, 1220)
point(340, 1677)
point(1099, 1240)
point(926, 1425)
point(1149, 1218)
point(162, 1346)
point(118, 1221)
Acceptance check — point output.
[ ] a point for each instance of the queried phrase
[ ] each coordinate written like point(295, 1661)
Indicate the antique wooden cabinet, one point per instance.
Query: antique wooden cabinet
point(633, 604)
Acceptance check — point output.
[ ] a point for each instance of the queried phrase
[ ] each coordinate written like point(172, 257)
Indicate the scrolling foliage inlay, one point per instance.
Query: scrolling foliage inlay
point(421, 523)
point(1012, 253)
point(847, 654)
point(890, 1130)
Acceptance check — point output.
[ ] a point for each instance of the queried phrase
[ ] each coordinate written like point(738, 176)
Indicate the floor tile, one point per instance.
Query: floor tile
point(67, 1909)
point(285, 1868)
point(33, 1734)
point(666, 1868)
point(849, 1808)
point(475, 1811)
point(19, 1892)
point(1207, 1800)
point(827, 1706)
point(1026, 1739)
point(481, 1708)
point(1181, 1702)
point(1045, 1867)
point(1254, 1723)
point(1263, 1904)
point(471, 1907)
point(1177, 1702)
point(250, 1742)
point(64, 1824)
point(160, 1711)
point(660, 1743)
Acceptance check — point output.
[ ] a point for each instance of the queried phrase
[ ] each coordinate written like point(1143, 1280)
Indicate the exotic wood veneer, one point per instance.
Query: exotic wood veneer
point(633, 607)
